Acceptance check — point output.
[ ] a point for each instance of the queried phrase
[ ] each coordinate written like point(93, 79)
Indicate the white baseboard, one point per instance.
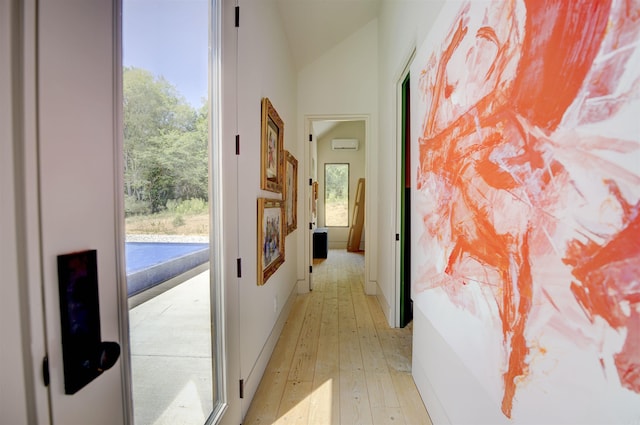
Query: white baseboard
point(385, 306)
point(252, 381)
point(451, 393)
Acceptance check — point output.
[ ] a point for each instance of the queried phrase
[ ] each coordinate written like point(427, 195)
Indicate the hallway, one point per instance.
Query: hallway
point(337, 361)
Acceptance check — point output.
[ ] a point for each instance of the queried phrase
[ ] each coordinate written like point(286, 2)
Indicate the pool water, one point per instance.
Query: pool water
point(151, 263)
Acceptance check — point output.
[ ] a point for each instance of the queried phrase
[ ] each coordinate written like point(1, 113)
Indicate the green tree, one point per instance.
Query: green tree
point(190, 157)
point(165, 144)
point(337, 182)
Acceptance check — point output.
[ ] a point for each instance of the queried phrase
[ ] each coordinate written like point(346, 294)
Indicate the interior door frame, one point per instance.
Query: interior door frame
point(369, 285)
point(24, 191)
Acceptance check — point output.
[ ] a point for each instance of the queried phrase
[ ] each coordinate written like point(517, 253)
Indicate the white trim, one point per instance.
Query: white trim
point(216, 246)
point(32, 239)
point(22, 309)
point(119, 236)
point(424, 338)
point(304, 169)
point(253, 378)
point(370, 286)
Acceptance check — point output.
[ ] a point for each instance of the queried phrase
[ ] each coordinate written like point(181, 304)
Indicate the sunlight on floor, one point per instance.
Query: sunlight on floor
point(317, 405)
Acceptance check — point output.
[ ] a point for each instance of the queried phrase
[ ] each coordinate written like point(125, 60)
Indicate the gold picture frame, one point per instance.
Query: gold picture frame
point(272, 148)
point(314, 198)
point(291, 192)
point(271, 227)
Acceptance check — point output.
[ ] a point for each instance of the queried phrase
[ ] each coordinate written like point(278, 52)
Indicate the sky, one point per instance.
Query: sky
point(170, 39)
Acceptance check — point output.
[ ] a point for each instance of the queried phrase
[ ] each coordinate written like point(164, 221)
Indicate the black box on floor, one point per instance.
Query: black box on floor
point(320, 242)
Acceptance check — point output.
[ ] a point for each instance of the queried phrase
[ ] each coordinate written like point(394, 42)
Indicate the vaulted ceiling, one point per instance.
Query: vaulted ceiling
point(315, 26)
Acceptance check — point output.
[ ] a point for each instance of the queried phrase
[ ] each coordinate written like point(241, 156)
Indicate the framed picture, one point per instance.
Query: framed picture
point(291, 192)
point(270, 237)
point(314, 198)
point(272, 158)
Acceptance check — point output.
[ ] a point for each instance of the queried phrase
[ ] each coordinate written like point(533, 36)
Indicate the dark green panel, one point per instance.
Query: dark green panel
point(406, 311)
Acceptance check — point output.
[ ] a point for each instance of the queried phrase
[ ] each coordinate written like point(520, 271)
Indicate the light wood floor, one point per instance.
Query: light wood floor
point(337, 361)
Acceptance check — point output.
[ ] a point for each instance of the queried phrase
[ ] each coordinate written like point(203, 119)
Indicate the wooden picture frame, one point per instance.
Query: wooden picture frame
point(291, 192)
point(271, 228)
point(272, 143)
point(314, 198)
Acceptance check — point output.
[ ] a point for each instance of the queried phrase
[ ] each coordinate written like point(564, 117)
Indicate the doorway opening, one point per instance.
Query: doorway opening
point(406, 305)
point(403, 305)
point(336, 162)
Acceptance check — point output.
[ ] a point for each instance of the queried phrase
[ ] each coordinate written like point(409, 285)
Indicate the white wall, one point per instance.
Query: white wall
point(402, 26)
point(264, 69)
point(338, 236)
point(344, 81)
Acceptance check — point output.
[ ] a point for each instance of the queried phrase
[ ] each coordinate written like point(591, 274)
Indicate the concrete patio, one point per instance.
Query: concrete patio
point(170, 331)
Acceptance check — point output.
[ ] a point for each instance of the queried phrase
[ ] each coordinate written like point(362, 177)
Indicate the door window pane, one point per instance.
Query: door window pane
point(166, 190)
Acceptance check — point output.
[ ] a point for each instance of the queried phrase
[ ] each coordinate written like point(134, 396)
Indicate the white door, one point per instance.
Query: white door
point(23, 395)
point(312, 203)
point(77, 130)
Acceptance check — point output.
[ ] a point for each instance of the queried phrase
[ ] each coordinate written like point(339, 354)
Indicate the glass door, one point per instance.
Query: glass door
point(169, 108)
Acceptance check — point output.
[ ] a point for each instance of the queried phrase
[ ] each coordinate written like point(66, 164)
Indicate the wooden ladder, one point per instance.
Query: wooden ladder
point(357, 221)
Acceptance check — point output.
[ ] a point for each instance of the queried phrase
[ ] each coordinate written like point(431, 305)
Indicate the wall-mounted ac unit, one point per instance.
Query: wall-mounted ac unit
point(344, 144)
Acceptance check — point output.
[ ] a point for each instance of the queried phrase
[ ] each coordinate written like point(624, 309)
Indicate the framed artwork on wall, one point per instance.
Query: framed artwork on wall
point(271, 225)
point(291, 192)
point(314, 198)
point(272, 158)
point(524, 204)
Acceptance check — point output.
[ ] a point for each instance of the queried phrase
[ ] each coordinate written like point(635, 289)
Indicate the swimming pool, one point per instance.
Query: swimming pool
point(151, 263)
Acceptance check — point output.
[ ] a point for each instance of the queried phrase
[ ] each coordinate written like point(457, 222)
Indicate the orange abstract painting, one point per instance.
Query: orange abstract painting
point(527, 212)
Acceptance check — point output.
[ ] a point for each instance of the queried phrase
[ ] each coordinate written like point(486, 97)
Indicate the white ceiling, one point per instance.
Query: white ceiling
point(321, 127)
point(315, 26)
